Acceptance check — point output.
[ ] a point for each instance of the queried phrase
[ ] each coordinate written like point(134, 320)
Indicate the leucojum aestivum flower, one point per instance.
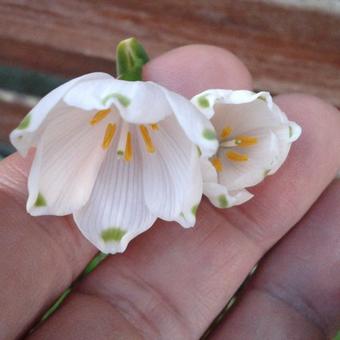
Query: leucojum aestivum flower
point(254, 140)
point(118, 153)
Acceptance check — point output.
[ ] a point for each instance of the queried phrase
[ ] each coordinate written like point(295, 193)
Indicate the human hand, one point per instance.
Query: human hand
point(172, 283)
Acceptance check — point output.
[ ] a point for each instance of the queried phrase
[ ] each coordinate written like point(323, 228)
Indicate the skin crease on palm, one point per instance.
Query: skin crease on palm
point(171, 283)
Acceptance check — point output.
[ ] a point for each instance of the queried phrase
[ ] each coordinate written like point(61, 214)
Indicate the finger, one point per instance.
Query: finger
point(296, 288)
point(197, 68)
point(282, 199)
point(39, 257)
point(49, 252)
point(173, 282)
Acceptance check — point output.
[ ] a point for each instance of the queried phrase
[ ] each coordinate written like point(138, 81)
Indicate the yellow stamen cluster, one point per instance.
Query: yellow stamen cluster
point(110, 132)
point(238, 141)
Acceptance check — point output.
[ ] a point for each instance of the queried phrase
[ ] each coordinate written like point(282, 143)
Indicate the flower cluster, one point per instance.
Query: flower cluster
point(120, 153)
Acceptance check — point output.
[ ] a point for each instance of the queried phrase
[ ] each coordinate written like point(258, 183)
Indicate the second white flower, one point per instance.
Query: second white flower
point(254, 140)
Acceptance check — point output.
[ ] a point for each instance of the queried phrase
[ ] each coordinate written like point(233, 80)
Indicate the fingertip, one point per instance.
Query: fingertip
point(14, 170)
point(194, 68)
point(301, 104)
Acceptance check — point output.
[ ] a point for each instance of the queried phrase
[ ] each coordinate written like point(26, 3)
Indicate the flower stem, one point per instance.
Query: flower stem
point(130, 59)
point(93, 264)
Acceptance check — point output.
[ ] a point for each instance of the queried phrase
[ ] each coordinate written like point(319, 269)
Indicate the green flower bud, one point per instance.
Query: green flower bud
point(130, 59)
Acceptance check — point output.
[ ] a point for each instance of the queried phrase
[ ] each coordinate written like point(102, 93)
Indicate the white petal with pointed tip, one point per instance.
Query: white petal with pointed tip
point(193, 195)
point(167, 172)
point(286, 134)
point(220, 197)
point(66, 164)
point(117, 204)
point(218, 193)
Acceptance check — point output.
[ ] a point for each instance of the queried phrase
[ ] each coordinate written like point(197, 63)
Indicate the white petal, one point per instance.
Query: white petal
point(116, 211)
point(195, 125)
point(193, 195)
point(294, 131)
point(217, 193)
point(137, 101)
point(27, 134)
point(240, 196)
point(206, 100)
point(209, 173)
point(286, 134)
point(245, 117)
point(241, 110)
point(167, 172)
point(67, 160)
point(220, 197)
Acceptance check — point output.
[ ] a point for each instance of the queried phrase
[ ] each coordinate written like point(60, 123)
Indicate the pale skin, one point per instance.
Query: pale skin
point(171, 283)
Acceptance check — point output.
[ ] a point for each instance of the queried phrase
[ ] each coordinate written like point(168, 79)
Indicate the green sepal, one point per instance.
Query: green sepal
point(130, 59)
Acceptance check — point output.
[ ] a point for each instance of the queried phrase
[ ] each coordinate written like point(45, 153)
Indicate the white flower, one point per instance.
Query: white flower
point(116, 154)
point(254, 140)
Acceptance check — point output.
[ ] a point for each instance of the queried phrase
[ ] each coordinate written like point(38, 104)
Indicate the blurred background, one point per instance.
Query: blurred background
point(288, 45)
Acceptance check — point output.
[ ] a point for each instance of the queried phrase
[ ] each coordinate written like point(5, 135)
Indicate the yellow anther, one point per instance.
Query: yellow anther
point(147, 139)
point(236, 157)
point(109, 134)
point(99, 116)
point(216, 162)
point(225, 133)
point(244, 141)
point(128, 147)
point(154, 127)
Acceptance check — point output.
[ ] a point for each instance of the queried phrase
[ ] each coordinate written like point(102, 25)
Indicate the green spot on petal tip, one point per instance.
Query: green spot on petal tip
point(130, 59)
point(290, 132)
point(209, 134)
point(24, 124)
point(123, 100)
point(40, 201)
point(203, 102)
point(112, 234)
point(222, 201)
point(194, 209)
point(266, 172)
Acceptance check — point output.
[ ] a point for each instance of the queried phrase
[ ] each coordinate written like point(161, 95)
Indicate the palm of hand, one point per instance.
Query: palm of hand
point(172, 283)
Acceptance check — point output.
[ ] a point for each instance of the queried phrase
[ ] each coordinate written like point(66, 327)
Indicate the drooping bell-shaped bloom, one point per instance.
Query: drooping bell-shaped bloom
point(116, 154)
point(254, 140)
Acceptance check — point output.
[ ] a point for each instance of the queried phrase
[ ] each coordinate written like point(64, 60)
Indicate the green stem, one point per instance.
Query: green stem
point(93, 264)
